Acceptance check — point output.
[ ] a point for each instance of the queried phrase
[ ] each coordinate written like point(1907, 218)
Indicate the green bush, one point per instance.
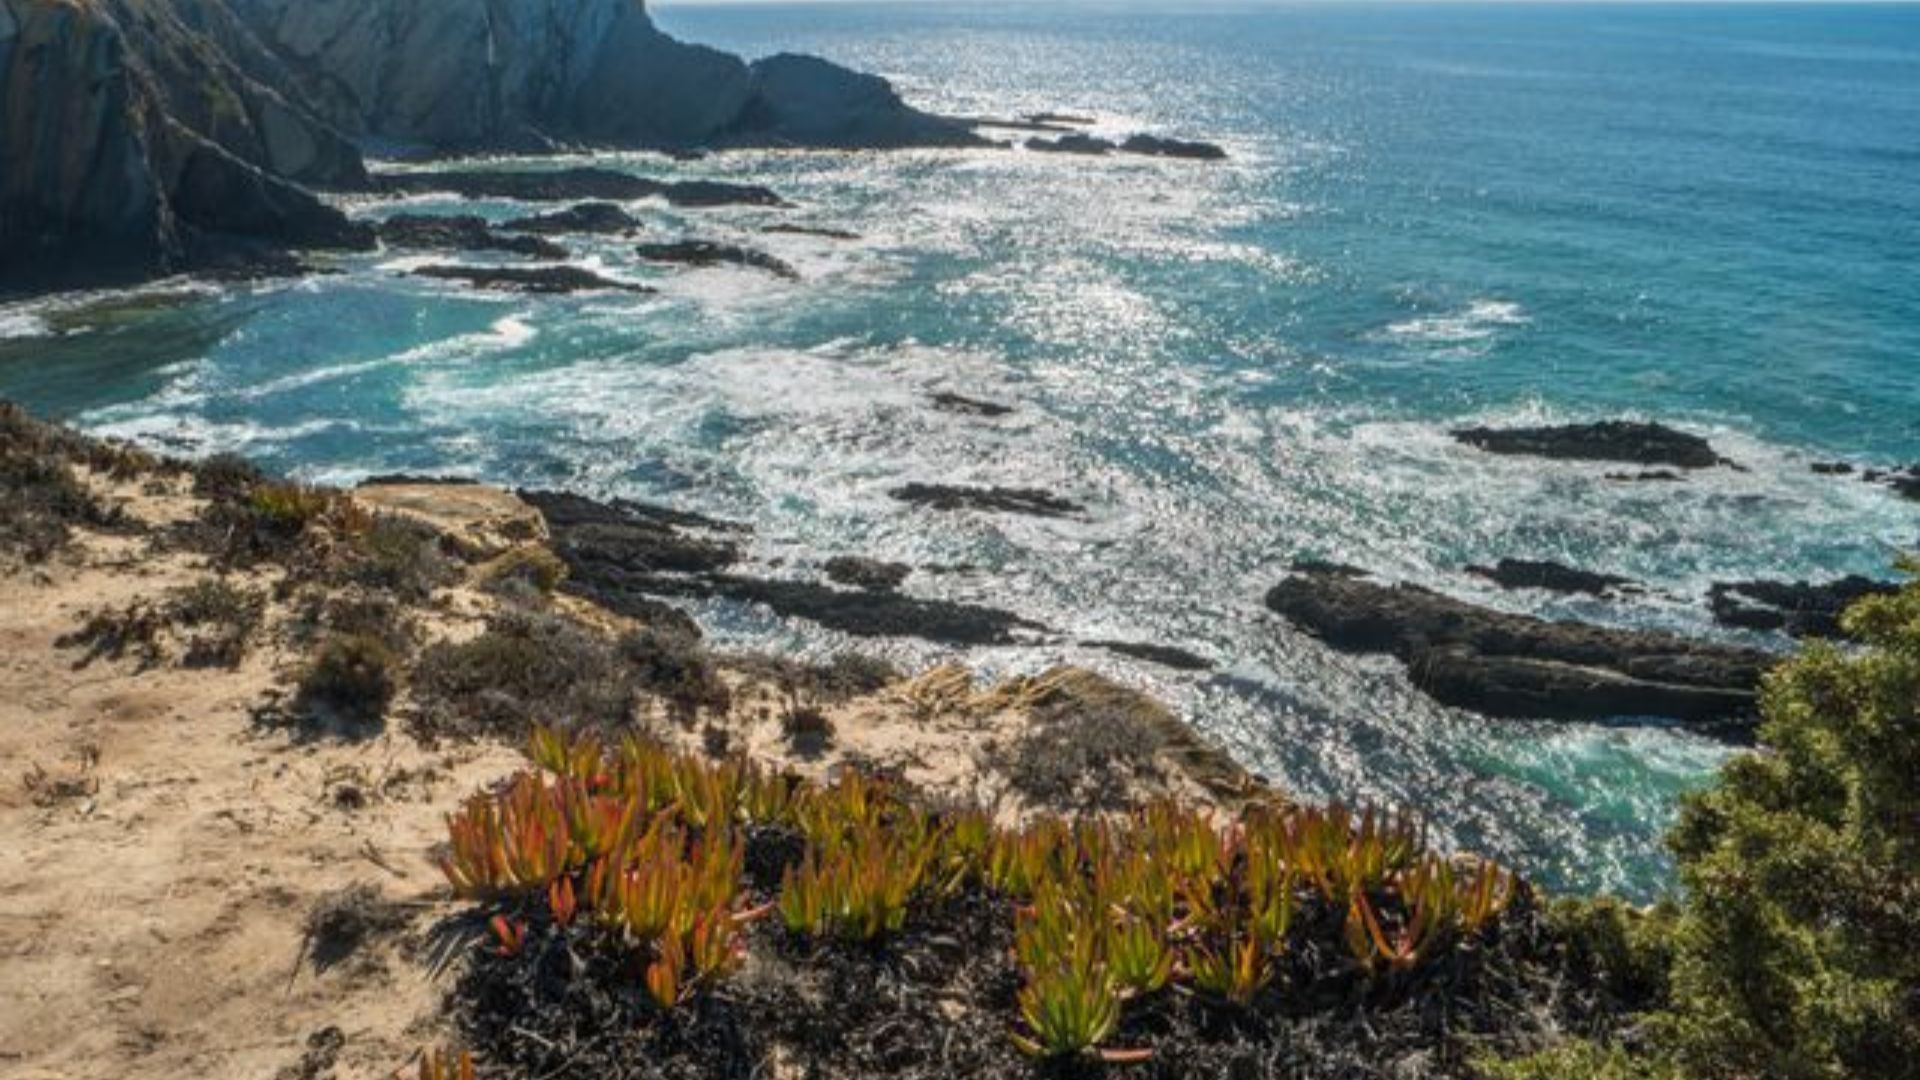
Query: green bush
point(353, 675)
point(1795, 952)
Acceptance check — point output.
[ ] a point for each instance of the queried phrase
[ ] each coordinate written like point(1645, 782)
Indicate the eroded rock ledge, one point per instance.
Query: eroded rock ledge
point(1511, 665)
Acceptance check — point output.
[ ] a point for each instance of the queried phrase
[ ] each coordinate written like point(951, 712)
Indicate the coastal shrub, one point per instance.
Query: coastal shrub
point(394, 554)
point(678, 669)
point(526, 666)
point(342, 922)
point(1080, 759)
point(225, 477)
point(44, 497)
point(1792, 953)
point(225, 617)
point(523, 572)
point(353, 676)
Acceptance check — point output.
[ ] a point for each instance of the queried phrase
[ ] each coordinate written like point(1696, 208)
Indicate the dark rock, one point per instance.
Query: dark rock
point(1551, 576)
point(1659, 475)
point(1175, 148)
point(1517, 665)
point(711, 253)
point(1832, 468)
point(462, 233)
point(1328, 567)
point(960, 403)
point(413, 480)
point(804, 100)
point(529, 279)
point(811, 230)
point(626, 556)
point(1058, 118)
point(1164, 655)
point(587, 217)
point(1608, 440)
point(1073, 144)
point(1903, 480)
point(565, 185)
point(1006, 500)
point(1799, 608)
point(863, 573)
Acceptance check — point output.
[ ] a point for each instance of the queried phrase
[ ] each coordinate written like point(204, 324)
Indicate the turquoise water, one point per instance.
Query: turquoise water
point(1433, 215)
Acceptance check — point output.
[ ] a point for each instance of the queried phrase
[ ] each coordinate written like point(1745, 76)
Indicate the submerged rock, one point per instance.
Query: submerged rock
point(1520, 666)
point(587, 217)
point(712, 253)
point(1551, 576)
point(529, 279)
point(1058, 118)
point(1154, 146)
point(1905, 481)
point(1002, 500)
point(960, 403)
point(864, 573)
point(1164, 655)
point(810, 230)
point(579, 183)
point(1609, 440)
point(462, 233)
point(1799, 608)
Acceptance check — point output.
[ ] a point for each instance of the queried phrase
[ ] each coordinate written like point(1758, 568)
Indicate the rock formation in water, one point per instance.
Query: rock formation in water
point(139, 137)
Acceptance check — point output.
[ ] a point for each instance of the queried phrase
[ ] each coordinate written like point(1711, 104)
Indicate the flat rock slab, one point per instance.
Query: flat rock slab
point(1510, 665)
point(571, 184)
point(1034, 502)
point(1798, 608)
point(530, 279)
point(482, 521)
point(1609, 440)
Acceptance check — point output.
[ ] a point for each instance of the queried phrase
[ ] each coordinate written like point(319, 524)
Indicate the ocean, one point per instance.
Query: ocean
point(1433, 215)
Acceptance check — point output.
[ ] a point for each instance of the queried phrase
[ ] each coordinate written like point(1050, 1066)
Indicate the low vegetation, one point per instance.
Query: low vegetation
point(353, 678)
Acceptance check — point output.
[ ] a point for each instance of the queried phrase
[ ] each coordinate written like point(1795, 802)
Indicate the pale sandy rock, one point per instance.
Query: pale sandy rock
point(483, 521)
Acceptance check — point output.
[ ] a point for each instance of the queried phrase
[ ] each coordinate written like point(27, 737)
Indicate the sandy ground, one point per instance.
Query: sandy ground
point(165, 847)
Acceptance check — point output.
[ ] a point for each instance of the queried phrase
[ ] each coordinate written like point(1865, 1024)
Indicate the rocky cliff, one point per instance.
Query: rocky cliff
point(132, 144)
point(140, 137)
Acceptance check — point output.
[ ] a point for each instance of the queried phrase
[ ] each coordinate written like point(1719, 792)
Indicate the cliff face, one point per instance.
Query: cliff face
point(524, 74)
point(132, 145)
point(140, 137)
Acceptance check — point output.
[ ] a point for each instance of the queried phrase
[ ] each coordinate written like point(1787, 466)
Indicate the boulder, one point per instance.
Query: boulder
point(993, 500)
point(1609, 440)
point(462, 233)
point(1798, 608)
point(1511, 665)
point(529, 279)
point(712, 253)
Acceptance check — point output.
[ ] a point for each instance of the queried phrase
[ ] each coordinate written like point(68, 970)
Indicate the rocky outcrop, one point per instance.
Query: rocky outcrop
point(794, 100)
point(1798, 608)
point(1552, 577)
point(462, 233)
point(625, 556)
point(1609, 440)
point(948, 401)
point(1167, 656)
point(582, 183)
point(132, 144)
point(530, 279)
point(700, 253)
point(1518, 666)
point(860, 572)
point(1154, 146)
point(591, 217)
point(824, 233)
